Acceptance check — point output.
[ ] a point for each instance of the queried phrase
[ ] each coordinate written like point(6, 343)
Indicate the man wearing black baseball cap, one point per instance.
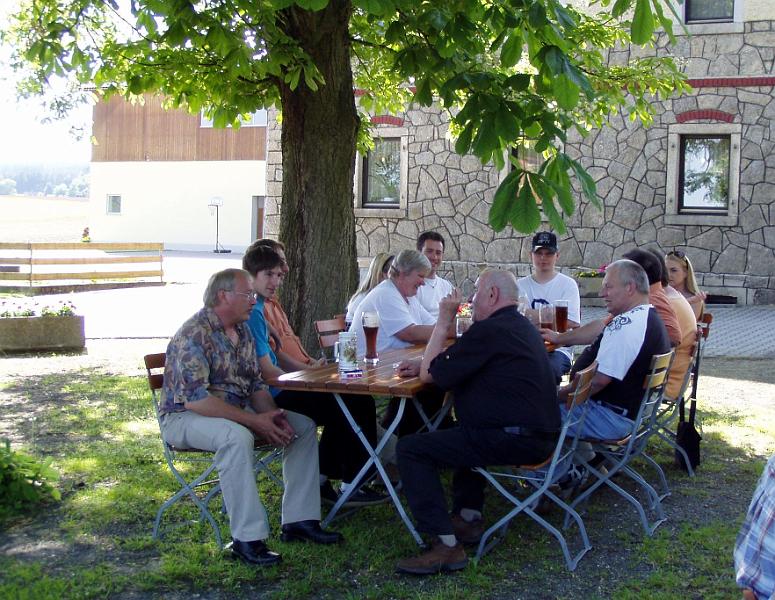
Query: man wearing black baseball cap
point(547, 286)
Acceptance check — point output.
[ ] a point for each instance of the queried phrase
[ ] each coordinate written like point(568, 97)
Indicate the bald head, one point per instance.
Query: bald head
point(495, 289)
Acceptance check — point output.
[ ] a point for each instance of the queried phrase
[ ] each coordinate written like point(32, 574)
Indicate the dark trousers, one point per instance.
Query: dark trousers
point(431, 401)
point(341, 452)
point(422, 456)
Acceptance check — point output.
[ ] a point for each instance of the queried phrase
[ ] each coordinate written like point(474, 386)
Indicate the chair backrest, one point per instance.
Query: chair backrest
point(328, 331)
point(703, 326)
point(563, 452)
point(154, 365)
point(653, 392)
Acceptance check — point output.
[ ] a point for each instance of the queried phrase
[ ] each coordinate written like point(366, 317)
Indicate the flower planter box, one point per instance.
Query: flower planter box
point(25, 334)
point(589, 287)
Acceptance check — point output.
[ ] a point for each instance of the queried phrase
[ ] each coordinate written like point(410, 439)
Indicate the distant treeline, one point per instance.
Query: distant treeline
point(45, 180)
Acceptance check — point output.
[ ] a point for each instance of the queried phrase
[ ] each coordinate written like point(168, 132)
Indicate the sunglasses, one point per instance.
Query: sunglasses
point(678, 254)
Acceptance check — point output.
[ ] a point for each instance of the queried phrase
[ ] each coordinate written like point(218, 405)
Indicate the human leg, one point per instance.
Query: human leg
point(560, 364)
point(233, 447)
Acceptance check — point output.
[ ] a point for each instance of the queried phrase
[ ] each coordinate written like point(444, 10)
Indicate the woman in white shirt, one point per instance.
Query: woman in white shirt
point(377, 273)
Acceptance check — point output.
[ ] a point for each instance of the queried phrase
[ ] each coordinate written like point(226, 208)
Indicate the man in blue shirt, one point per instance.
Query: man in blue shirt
point(341, 452)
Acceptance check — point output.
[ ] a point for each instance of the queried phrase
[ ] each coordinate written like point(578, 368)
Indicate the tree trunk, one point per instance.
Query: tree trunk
point(319, 130)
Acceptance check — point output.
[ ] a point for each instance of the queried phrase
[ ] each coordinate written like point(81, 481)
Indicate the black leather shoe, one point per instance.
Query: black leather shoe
point(254, 553)
point(309, 531)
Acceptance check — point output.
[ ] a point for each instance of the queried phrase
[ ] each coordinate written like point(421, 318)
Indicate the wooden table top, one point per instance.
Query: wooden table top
point(380, 379)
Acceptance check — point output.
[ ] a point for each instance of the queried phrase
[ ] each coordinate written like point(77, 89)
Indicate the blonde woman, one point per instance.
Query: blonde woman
point(377, 273)
point(681, 276)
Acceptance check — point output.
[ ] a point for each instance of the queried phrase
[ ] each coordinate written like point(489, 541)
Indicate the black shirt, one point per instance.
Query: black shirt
point(500, 375)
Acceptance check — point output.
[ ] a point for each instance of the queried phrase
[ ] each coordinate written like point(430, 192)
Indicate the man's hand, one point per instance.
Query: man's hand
point(449, 305)
point(273, 426)
point(316, 364)
point(409, 368)
point(550, 336)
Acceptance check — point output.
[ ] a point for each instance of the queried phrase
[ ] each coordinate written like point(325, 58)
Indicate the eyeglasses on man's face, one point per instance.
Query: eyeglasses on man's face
point(249, 295)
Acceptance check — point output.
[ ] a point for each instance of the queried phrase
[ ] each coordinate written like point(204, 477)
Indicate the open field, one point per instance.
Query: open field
point(91, 414)
point(38, 219)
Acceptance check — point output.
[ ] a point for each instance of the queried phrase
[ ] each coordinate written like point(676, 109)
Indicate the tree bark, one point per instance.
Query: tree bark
point(319, 130)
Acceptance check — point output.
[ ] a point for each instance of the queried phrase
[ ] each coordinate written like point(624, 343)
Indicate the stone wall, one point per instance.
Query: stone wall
point(453, 194)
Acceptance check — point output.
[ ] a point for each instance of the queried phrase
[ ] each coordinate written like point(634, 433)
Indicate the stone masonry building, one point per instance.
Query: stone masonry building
point(700, 179)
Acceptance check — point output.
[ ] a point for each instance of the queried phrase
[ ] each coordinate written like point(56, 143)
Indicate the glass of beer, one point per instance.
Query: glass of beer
point(546, 316)
point(370, 320)
point(561, 315)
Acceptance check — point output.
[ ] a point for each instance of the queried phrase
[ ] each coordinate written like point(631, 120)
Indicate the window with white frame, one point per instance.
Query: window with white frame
point(709, 11)
point(257, 119)
point(381, 175)
point(703, 174)
point(113, 205)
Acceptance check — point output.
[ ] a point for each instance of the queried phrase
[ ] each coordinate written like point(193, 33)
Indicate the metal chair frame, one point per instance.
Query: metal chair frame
point(618, 454)
point(265, 455)
point(542, 478)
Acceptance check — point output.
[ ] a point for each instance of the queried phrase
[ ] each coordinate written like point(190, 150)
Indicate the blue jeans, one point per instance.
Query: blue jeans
point(560, 364)
point(601, 423)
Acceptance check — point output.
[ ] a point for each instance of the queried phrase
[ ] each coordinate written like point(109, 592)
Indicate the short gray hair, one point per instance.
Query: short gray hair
point(628, 272)
point(222, 280)
point(408, 261)
point(505, 281)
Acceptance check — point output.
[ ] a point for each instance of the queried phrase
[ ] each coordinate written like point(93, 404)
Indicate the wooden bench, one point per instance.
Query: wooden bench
point(79, 263)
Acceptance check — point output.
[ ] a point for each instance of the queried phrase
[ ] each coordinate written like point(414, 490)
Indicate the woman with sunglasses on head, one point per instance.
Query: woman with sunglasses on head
point(681, 276)
point(377, 273)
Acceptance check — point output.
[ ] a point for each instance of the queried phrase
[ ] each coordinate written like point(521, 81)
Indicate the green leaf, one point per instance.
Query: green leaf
point(642, 22)
point(486, 139)
point(504, 197)
point(588, 186)
point(506, 124)
point(511, 51)
point(546, 192)
point(620, 7)
point(524, 214)
point(566, 92)
point(519, 82)
point(423, 93)
point(554, 59)
point(463, 143)
point(313, 5)
point(395, 32)
point(537, 16)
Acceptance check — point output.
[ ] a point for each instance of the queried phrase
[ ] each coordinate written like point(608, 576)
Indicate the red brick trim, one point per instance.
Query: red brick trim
point(706, 114)
point(732, 82)
point(387, 120)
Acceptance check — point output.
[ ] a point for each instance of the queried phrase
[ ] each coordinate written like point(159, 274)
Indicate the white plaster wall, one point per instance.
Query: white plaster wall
point(167, 202)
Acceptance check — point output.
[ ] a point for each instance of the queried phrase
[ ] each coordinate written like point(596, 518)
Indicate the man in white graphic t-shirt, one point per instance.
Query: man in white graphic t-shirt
point(431, 245)
point(547, 286)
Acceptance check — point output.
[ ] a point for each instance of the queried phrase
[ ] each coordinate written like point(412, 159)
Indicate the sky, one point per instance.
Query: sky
point(24, 139)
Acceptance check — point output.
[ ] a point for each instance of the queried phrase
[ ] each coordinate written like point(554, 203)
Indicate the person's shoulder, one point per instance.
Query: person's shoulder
point(566, 279)
point(446, 284)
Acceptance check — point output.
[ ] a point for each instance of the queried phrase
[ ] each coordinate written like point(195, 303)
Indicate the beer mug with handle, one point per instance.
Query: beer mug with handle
point(346, 351)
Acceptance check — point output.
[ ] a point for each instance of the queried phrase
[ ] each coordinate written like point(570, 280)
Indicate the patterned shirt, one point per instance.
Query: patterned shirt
point(202, 361)
point(755, 546)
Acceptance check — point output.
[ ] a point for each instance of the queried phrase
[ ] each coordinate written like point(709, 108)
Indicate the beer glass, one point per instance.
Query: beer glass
point(561, 315)
point(370, 320)
point(462, 324)
point(522, 304)
point(346, 351)
point(546, 316)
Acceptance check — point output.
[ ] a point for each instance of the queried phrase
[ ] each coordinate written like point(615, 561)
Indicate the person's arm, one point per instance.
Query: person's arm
point(415, 334)
point(269, 370)
point(599, 381)
point(289, 363)
point(263, 424)
point(447, 311)
point(582, 336)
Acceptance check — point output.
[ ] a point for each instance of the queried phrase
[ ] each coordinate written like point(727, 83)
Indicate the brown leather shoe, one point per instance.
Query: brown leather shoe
point(468, 532)
point(438, 558)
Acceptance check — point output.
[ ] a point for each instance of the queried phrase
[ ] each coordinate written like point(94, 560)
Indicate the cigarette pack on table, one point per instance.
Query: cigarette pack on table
point(354, 374)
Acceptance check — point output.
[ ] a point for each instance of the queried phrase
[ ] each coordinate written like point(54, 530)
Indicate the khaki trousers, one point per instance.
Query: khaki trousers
point(232, 444)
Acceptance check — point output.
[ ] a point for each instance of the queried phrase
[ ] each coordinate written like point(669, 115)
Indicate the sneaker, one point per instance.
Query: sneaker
point(439, 558)
point(572, 481)
point(468, 532)
point(363, 496)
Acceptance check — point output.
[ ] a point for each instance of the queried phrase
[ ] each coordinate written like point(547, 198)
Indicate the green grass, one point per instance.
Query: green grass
point(104, 442)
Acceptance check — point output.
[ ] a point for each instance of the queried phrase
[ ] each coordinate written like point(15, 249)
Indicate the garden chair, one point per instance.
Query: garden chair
point(541, 479)
point(704, 326)
point(619, 454)
point(202, 459)
point(670, 409)
point(328, 331)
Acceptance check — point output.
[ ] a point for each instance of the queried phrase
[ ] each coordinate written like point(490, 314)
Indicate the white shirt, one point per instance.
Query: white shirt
point(431, 293)
point(353, 305)
point(395, 314)
point(622, 341)
point(559, 287)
